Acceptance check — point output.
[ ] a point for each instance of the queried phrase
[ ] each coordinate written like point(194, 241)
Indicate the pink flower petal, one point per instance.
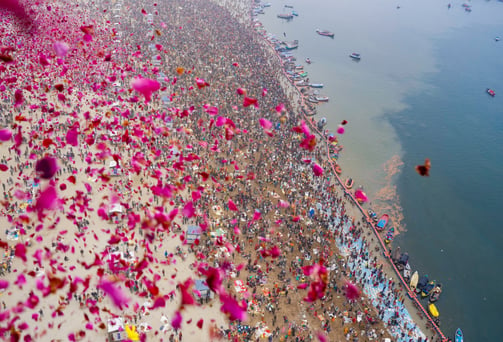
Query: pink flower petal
point(61, 48)
point(145, 87)
point(232, 206)
point(266, 124)
point(118, 296)
point(188, 210)
point(46, 167)
point(5, 134)
point(318, 170)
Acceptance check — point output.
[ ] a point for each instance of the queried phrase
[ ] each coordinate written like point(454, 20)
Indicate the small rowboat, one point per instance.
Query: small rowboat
point(383, 221)
point(490, 92)
point(355, 56)
point(349, 183)
point(433, 310)
point(459, 335)
point(389, 235)
point(435, 293)
point(413, 281)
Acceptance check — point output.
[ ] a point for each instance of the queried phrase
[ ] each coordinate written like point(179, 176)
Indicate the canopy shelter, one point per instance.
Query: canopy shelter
point(201, 289)
point(193, 233)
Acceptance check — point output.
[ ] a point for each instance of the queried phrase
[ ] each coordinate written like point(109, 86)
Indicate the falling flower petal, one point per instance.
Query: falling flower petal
point(424, 170)
point(232, 206)
point(318, 170)
point(61, 48)
point(46, 167)
point(5, 134)
point(118, 296)
point(145, 87)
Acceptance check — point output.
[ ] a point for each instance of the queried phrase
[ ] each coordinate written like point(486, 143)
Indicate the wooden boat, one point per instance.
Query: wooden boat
point(421, 283)
point(389, 235)
point(490, 92)
point(407, 271)
point(426, 290)
point(325, 33)
point(433, 310)
point(349, 183)
point(316, 85)
point(383, 221)
point(435, 293)
point(413, 281)
point(355, 56)
point(308, 60)
point(291, 45)
point(322, 98)
point(312, 99)
point(285, 16)
point(459, 335)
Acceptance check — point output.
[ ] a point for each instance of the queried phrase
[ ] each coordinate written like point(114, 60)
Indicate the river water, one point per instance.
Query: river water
point(419, 92)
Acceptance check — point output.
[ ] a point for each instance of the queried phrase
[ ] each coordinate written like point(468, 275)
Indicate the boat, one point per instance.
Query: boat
point(308, 60)
point(325, 33)
point(433, 310)
point(291, 45)
point(285, 16)
point(497, 39)
point(289, 6)
point(316, 85)
point(322, 98)
point(490, 92)
point(421, 283)
point(413, 281)
point(355, 56)
point(295, 13)
point(407, 271)
point(322, 123)
point(426, 290)
point(267, 4)
point(459, 335)
point(383, 221)
point(389, 235)
point(312, 99)
point(435, 293)
point(349, 183)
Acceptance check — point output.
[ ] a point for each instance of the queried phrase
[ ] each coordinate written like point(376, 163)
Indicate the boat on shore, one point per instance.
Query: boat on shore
point(407, 271)
point(355, 56)
point(459, 335)
point(285, 16)
point(325, 33)
point(389, 235)
point(383, 221)
point(322, 123)
point(435, 293)
point(491, 92)
point(349, 183)
point(413, 281)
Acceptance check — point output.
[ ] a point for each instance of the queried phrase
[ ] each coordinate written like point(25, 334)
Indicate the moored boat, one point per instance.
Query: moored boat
point(291, 45)
point(413, 281)
point(312, 99)
point(325, 33)
point(316, 85)
point(322, 123)
point(355, 56)
point(383, 221)
point(459, 335)
point(433, 310)
point(389, 235)
point(490, 92)
point(421, 283)
point(426, 290)
point(435, 293)
point(322, 98)
point(407, 271)
point(349, 183)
